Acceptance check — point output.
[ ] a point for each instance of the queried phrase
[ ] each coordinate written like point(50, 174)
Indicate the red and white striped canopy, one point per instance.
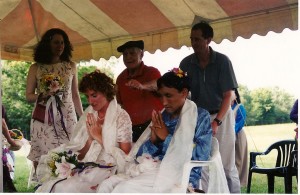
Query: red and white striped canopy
point(97, 27)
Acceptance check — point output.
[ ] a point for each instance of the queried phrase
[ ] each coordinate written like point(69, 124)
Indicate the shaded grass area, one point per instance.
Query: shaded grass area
point(259, 138)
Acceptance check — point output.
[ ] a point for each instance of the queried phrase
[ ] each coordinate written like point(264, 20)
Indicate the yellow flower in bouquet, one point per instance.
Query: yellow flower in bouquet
point(16, 134)
point(51, 83)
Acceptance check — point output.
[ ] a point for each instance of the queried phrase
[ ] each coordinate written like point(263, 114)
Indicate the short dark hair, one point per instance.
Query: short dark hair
point(99, 82)
point(172, 80)
point(42, 51)
point(207, 30)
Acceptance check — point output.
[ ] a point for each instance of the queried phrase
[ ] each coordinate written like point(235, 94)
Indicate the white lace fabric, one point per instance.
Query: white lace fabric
point(117, 127)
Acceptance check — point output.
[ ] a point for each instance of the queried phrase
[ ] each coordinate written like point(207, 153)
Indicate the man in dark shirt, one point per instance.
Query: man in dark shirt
point(212, 83)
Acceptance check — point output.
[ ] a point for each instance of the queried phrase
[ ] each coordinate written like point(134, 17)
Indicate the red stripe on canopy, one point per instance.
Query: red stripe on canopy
point(135, 16)
point(17, 26)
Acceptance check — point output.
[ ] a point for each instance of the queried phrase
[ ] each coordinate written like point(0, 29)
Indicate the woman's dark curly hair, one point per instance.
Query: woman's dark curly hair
point(42, 52)
point(172, 80)
point(99, 82)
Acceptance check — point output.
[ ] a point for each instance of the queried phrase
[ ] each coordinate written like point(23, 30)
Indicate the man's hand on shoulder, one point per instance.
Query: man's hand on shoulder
point(134, 84)
point(149, 86)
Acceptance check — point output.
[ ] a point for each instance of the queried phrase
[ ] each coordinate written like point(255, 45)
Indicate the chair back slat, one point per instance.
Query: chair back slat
point(294, 159)
point(284, 149)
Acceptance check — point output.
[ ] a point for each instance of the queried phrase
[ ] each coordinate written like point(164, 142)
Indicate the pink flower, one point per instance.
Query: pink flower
point(178, 72)
point(54, 86)
point(64, 168)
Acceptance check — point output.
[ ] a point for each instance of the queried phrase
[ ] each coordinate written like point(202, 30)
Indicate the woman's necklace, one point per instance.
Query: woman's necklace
point(102, 112)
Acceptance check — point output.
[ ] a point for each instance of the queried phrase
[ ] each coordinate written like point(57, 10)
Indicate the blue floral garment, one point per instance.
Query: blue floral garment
point(202, 142)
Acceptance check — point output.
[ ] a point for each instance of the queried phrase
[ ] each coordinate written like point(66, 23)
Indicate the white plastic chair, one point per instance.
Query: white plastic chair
point(26, 147)
point(216, 171)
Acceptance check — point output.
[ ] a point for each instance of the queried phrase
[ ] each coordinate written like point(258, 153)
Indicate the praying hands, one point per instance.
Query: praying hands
point(94, 127)
point(159, 131)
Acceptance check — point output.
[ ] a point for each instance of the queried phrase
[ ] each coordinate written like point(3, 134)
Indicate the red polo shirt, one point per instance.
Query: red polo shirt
point(138, 103)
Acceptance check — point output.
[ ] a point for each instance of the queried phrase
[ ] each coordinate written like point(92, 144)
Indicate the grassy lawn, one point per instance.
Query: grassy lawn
point(259, 138)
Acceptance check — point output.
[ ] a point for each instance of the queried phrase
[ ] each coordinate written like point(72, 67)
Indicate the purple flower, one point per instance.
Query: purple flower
point(4, 159)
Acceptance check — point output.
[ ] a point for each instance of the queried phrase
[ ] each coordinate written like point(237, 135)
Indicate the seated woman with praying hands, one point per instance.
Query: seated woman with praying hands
point(98, 146)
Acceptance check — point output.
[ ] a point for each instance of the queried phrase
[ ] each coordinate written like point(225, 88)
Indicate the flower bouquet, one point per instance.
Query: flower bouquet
point(62, 163)
point(65, 164)
point(49, 102)
point(16, 134)
point(51, 83)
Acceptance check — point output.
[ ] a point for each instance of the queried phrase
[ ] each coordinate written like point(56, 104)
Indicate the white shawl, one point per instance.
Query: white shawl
point(80, 136)
point(179, 151)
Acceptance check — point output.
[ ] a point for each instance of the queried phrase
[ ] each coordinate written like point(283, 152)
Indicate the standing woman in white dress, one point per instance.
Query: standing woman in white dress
point(52, 82)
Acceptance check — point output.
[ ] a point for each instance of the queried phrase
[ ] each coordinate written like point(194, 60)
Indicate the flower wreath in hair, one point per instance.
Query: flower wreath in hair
point(178, 72)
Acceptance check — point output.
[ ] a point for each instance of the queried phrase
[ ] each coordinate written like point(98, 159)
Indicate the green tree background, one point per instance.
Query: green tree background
point(263, 105)
point(266, 105)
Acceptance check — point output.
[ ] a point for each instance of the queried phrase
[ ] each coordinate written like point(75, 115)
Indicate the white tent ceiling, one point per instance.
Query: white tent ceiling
point(97, 27)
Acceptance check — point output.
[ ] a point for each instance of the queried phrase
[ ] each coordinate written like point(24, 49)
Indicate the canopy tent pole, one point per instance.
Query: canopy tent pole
point(1, 162)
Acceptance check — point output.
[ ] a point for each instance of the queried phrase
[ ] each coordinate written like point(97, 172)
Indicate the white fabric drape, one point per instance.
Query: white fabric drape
point(217, 182)
point(226, 138)
point(79, 138)
point(179, 152)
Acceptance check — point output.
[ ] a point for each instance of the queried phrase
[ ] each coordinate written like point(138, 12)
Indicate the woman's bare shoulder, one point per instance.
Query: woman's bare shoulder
point(72, 64)
point(34, 67)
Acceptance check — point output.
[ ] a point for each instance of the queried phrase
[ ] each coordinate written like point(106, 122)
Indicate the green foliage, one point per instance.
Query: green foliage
point(82, 70)
point(266, 105)
point(262, 106)
point(14, 74)
point(284, 102)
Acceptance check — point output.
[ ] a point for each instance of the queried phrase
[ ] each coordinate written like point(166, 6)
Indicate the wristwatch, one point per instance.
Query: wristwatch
point(219, 122)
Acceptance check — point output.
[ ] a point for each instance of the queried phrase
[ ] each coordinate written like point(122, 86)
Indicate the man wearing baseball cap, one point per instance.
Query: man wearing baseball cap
point(135, 92)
